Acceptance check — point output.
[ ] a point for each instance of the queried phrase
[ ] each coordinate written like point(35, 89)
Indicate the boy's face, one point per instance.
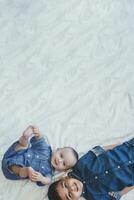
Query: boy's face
point(69, 189)
point(63, 159)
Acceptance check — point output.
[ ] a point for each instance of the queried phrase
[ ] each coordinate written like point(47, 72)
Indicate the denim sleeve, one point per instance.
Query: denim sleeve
point(98, 150)
point(117, 195)
point(40, 184)
point(105, 197)
point(102, 196)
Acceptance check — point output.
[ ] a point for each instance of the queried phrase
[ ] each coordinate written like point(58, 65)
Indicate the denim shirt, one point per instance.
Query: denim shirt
point(37, 156)
point(105, 171)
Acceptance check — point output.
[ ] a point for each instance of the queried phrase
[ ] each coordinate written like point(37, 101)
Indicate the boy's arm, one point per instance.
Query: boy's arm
point(108, 147)
point(97, 150)
point(118, 195)
point(126, 190)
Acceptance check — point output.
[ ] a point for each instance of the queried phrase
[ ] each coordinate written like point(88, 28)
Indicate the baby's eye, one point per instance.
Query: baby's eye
point(64, 164)
point(61, 155)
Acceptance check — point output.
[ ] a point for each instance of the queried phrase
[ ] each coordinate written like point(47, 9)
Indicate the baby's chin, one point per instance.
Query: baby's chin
point(58, 169)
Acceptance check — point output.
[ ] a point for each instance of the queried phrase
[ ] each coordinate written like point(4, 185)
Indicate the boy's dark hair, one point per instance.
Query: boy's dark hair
point(52, 191)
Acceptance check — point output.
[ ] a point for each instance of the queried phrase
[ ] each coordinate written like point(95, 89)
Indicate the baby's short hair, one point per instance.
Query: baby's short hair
point(74, 152)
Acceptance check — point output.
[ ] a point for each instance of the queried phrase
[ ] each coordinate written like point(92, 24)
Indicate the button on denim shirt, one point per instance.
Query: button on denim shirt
point(37, 156)
point(105, 171)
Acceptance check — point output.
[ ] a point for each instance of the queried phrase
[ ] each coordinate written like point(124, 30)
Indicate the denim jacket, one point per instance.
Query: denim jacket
point(105, 171)
point(38, 156)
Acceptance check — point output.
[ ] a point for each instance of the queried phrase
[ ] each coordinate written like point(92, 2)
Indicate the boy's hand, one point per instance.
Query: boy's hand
point(115, 195)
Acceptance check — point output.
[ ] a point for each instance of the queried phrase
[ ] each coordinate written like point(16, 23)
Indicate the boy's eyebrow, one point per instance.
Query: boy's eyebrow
point(61, 184)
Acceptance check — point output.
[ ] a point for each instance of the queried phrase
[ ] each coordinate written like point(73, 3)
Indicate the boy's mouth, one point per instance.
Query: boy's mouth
point(75, 187)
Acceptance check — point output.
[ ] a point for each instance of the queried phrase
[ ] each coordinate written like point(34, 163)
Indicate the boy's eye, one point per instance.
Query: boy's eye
point(61, 155)
point(64, 164)
point(65, 185)
point(70, 196)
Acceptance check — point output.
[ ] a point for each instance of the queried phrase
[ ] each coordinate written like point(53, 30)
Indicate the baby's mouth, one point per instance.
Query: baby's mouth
point(56, 162)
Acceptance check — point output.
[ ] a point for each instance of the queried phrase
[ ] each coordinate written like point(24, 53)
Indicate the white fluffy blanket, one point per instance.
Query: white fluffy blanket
point(68, 67)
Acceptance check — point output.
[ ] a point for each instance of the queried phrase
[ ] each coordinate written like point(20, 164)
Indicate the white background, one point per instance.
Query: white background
point(68, 67)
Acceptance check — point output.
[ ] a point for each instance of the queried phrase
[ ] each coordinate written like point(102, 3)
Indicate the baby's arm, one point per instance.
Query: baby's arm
point(38, 177)
point(58, 176)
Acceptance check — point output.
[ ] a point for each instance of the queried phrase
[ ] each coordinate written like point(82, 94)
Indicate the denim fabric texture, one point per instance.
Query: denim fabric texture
point(105, 171)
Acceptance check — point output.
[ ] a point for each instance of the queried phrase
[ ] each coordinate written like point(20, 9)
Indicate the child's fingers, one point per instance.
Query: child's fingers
point(36, 134)
point(111, 193)
point(36, 131)
point(35, 128)
point(35, 174)
point(34, 178)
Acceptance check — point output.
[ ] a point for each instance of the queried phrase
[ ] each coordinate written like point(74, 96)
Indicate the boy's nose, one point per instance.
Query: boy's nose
point(72, 188)
point(60, 160)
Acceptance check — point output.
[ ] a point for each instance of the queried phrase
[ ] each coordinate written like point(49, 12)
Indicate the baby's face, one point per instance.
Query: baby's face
point(63, 159)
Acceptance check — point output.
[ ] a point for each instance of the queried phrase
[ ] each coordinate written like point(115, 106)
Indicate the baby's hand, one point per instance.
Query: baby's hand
point(36, 176)
point(30, 172)
point(36, 131)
